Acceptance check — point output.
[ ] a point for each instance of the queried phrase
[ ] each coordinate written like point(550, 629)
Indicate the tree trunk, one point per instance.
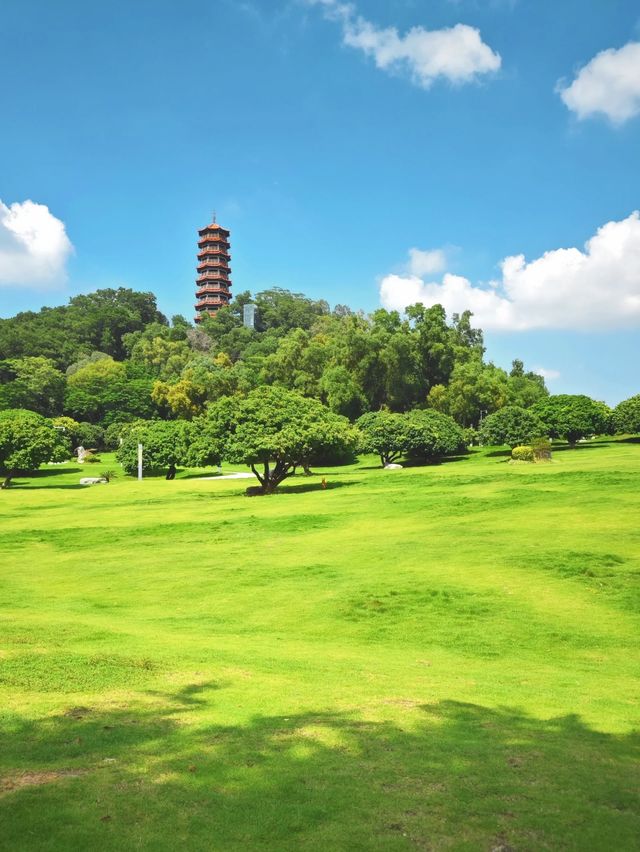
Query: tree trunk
point(7, 479)
point(171, 473)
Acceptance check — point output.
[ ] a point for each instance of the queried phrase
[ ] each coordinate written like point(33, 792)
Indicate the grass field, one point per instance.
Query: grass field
point(442, 657)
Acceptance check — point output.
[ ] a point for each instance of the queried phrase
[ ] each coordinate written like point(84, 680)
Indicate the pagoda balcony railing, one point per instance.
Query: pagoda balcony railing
point(212, 241)
point(212, 288)
point(210, 304)
point(213, 250)
point(213, 276)
point(215, 264)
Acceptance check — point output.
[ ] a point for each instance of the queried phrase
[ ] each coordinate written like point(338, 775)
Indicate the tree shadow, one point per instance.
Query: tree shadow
point(494, 454)
point(303, 488)
point(453, 775)
point(594, 445)
point(632, 440)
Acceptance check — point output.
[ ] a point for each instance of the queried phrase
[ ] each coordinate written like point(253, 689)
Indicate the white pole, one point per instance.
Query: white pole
point(139, 462)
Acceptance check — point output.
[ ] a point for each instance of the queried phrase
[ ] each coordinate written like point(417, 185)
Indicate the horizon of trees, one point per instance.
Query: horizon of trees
point(111, 356)
point(110, 359)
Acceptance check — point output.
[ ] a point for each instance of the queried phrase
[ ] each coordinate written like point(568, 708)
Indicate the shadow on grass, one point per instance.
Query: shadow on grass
point(409, 463)
point(455, 775)
point(303, 488)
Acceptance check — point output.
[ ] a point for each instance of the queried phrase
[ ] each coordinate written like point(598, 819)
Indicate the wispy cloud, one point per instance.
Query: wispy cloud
point(591, 289)
point(456, 54)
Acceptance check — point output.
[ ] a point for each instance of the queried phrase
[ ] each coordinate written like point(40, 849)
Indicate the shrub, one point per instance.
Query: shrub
point(524, 454)
point(108, 475)
point(541, 449)
point(91, 458)
point(471, 436)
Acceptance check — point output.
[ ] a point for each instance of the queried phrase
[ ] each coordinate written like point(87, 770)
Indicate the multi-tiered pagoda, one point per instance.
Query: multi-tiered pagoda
point(213, 282)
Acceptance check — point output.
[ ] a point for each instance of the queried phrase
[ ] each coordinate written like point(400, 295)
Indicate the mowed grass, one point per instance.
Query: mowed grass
point(443, 657)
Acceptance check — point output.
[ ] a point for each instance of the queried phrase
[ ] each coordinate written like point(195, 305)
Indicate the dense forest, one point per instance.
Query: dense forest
point(111, 356)
point(307, 384)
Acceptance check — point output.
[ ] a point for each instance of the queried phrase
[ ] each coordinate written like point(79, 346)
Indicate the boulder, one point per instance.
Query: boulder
point(393, 467)
point(92, 480)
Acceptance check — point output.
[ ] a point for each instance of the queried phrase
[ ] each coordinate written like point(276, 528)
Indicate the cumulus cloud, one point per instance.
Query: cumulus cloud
point(34, 247)
point(607, 85)
point(457, 53)
point(567, 288)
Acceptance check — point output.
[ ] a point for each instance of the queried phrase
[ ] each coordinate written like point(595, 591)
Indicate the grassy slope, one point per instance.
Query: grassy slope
point(439, 657)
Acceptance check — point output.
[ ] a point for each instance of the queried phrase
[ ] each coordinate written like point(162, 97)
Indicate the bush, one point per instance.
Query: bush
point(471, 436)
point(524, 454)
point(114, 433)
point(91, 458)
point(541, 449)
point(90, 435)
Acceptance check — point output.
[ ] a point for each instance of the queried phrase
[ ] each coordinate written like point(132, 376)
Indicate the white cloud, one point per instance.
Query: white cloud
point(548, 375)
point(598, 288)
point(457, 53)
point(426, 262)
point(608, 85)
point(34, 247)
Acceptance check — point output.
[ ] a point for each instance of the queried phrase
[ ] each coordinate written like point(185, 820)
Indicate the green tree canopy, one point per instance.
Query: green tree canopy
point(626, 415)
point(511, 425)
point(273, 431)
point(432, 435)
point(27, 440)
point(384, 434)
point(32, 382)
point(573, 416)
point(105, 391)
point(165, 446)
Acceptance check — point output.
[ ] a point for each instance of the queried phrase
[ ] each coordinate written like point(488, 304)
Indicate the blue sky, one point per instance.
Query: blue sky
point(332, 139)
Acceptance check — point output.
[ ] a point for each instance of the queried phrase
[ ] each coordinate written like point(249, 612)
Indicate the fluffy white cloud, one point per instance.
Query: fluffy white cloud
point(609, 85)
point(34, 246)
point(457, 53)
point(597, 288)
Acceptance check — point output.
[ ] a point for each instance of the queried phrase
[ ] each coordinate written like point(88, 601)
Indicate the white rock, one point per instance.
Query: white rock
point(393, 467)
point(92, 480)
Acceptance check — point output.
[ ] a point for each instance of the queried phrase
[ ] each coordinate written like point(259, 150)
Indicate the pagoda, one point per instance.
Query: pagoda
point(213, 282)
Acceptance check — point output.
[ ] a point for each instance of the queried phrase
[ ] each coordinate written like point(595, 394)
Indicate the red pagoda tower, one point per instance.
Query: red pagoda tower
point(213, 282)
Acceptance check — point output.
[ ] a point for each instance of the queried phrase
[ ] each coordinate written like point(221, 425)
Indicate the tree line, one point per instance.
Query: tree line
point(109, 369)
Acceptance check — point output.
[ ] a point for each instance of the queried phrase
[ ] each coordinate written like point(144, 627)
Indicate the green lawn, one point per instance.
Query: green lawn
point(442, 657)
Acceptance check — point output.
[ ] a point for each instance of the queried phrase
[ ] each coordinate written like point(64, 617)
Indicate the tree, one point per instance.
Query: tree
point(573, 417)
point(165, 446)
point(432, 435)
point(32, 382)
point(626, 415)
point(511, 425)
point(383, 433)
point(273, 431)
point(341, 393)
point(27, 440)
point(86, 435)
point(475, 389)
point(93, 321)
point(104, 391)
